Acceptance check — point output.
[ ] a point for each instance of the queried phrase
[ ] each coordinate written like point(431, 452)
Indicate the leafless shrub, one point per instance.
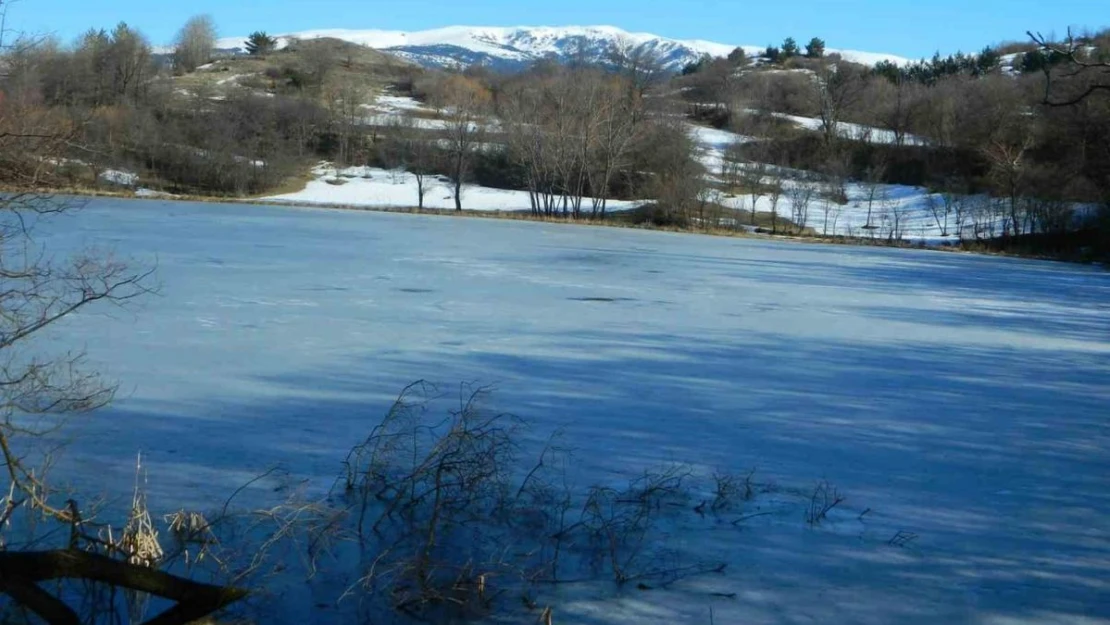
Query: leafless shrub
point(423, 496)
point(729, 487)
point(902, 539)
point(801, 196)
point(824, 498)
point(617, 521)
point(452, 517)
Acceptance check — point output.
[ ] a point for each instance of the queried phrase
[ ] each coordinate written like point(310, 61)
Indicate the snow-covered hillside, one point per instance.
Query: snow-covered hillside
point(509, 48)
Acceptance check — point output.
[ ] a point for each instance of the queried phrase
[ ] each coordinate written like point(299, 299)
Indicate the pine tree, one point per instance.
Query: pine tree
point(259, 43)
point(1033, 61)
point(772, 54)
point(888, 70)
point(789, 48)
point(815, 49)
point(696, 66)
point(738, 57)
point(988, 60)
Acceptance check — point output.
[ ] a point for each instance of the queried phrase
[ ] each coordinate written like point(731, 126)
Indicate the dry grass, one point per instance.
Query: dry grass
point(348, 64)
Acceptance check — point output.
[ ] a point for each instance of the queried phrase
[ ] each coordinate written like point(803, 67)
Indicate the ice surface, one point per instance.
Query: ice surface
point(959, 397)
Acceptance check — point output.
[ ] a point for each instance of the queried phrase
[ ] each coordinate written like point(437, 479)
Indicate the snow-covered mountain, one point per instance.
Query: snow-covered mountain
point(513, 48)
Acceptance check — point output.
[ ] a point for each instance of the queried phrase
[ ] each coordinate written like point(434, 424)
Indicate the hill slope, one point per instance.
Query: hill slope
point(512, 48)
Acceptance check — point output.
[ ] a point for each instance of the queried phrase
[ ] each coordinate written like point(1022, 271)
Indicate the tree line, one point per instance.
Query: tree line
point(966, 124)
point(577, 135)
point(574, 136)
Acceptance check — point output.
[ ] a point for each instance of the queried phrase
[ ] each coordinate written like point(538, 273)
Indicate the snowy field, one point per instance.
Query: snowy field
point(878, 211)
point(957, 398)
point(373, 187)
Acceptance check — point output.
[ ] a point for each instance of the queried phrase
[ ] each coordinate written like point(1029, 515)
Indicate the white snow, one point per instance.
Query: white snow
point(713, 143)
point(388, 108)
point(122, 178)
point(848, 130)
point(381, 188)
point(396, 103)
point(531, 42)
point(230, 79)
point(957, 397)
point(897, 211)
point(151, 193)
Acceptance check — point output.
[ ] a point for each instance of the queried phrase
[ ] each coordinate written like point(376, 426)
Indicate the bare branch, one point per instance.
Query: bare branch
point(1070, 52)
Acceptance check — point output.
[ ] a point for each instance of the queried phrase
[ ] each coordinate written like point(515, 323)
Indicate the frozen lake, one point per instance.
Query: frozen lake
point(965, 399)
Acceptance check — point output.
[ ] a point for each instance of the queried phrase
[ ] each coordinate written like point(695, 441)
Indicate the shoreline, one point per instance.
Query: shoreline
point(955, 247)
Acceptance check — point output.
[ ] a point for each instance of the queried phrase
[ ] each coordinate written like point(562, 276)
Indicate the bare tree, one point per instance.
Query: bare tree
point(616, 117)
point(775, 189)
point(414, 150)
point(194, 43)
point(876, 190)
point(465, 102)
point(1090, 75)
point(571, 134)
point(895, 213)
point(751, 178)
point(801, 196)
point(949, 210)
point(896, 105)
point(319, 60)
point(940, 208)
point(641, 65)
point(674, 178)
point(345, 100)
point(1049, 215)
point(835, 90)
point(1009, 169)
point(830, 207)
point(129, 63)
point(522, 109)
point(959, 204)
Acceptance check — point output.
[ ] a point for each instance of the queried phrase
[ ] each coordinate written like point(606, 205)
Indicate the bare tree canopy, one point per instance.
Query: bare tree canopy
point(465, 102)
point(195, 43)
point(1089, 75)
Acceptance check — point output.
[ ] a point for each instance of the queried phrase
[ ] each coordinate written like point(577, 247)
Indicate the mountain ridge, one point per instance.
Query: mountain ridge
point(517, 46)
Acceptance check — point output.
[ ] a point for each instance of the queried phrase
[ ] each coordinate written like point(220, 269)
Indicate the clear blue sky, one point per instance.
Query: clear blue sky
point(910, 28)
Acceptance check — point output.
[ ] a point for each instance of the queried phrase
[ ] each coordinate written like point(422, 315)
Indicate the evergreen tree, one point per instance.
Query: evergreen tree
point(259, 43)
point(738, 57)
point(772, 54)
point(1032, 61)
point(694, 67)
point(789, 48)
point(815, 49)
point(888, 70)
point(987, 61)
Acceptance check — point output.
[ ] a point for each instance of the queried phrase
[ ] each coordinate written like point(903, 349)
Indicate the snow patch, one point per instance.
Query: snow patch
point(525, 43)
point(122, 178)
point(383, 188)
